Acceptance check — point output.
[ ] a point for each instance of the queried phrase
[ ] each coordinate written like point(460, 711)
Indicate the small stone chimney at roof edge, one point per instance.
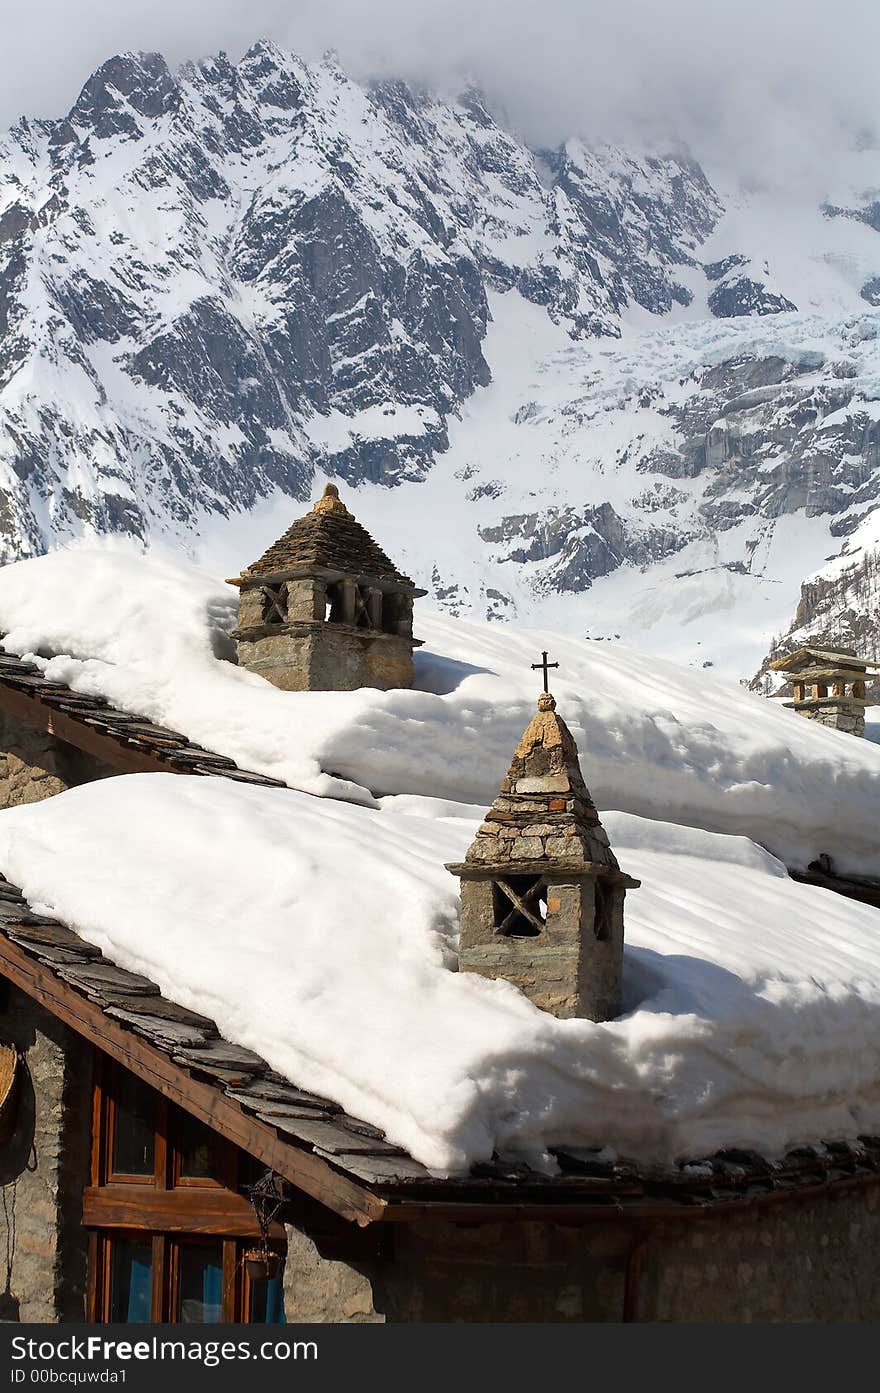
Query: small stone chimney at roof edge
point(324, 609)
point(541, 892)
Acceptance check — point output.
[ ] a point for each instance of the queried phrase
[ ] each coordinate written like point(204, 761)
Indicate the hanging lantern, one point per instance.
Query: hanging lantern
point(262, 1264)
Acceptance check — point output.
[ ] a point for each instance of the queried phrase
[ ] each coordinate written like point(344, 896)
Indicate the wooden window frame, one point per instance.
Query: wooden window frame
point(167, 1155)
point(100, 1273)
point(104, 1130)
point(166, 1209)
point(236, 1286)
point(229, 1167)
point(231, 1309)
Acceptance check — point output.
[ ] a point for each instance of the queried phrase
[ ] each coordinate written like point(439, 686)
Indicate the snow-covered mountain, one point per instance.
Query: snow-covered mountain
point(611, 392)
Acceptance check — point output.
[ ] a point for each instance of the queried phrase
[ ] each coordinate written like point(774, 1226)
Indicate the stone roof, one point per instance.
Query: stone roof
point(314, 1140)
point(329, 538)
point(543, 812)
point(798, 659)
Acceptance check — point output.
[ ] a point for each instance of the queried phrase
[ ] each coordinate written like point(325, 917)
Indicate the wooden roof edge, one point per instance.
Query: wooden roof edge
point(34, 712)
point(206, 1101)
point(586, 1209)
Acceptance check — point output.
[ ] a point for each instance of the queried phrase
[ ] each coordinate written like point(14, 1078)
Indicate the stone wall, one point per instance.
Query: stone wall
point(35, 765)
point(325, 657)
point(842, 716)
point(804, 1259)
point(43, 1167)
point(319, 1288)
point(568, 968)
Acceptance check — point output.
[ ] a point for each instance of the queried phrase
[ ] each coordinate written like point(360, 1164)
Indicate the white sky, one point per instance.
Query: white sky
point(769, 84)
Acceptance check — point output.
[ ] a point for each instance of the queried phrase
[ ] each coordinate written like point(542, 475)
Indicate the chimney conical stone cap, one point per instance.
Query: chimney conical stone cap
point(543, 812)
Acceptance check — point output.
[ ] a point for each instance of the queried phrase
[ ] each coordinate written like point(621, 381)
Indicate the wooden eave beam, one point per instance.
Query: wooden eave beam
point(185, 1209)
point(586, 1211)
point(203, 1100)
point(42, 716)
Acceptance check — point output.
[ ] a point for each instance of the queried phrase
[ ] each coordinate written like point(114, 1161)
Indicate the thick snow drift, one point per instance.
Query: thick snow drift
point(318, 933)
point(660, 741)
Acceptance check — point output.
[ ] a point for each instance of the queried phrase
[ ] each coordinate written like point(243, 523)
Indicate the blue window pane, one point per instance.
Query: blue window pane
point(267, 1301)
point(200, 1286)
point(131, 1281)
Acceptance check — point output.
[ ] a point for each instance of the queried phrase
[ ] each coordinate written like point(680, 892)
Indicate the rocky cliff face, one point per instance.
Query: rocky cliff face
point(688, 480)
point(838, 609)
point(225, 281)
point(212, 282)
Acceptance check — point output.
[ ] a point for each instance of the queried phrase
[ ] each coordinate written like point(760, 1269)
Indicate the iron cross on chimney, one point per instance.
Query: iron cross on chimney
point(544, 665)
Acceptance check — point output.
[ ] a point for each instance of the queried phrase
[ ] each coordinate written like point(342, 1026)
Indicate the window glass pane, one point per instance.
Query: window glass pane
point(134, 1135)
point(131, 1280)
point(201, 1150)
point(267, 1301)
point(200, 1284)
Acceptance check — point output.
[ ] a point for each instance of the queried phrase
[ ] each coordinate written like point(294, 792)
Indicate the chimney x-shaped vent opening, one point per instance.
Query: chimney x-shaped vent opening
point(520, 906)
point(273, 603)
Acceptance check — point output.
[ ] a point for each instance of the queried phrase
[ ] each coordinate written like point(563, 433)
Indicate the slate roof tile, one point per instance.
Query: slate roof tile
point(331, 538)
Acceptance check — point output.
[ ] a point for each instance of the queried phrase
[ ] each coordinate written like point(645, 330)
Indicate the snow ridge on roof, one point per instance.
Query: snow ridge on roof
point(329, 537)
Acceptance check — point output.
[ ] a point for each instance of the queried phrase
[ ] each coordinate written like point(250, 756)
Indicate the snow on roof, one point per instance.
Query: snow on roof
point(321, 932)
point(150, 633)
point(321, 935)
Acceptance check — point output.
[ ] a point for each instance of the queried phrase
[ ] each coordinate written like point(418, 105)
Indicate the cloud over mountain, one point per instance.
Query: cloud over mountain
point(769, 84)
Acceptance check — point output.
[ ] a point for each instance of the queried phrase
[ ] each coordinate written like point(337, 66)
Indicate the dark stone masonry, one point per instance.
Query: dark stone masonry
point(44, 1167)
point(808, 1259)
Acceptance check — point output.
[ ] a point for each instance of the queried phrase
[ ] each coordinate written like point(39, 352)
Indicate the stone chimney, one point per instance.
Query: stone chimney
point(830, 686)
point(541, 891)
point(325, 610)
